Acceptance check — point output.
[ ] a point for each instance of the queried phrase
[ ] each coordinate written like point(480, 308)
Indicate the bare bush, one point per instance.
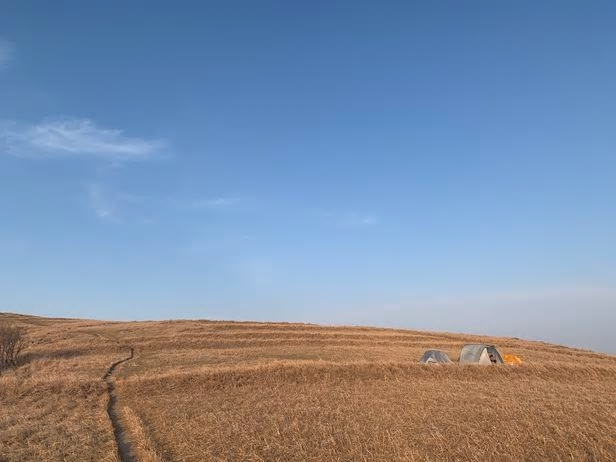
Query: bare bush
point(12, 342)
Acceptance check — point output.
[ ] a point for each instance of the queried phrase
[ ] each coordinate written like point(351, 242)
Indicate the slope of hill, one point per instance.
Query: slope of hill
point(202, 390)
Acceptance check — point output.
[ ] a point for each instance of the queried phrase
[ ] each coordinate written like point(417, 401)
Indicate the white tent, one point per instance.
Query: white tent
point(435, 357)
point(480, 354)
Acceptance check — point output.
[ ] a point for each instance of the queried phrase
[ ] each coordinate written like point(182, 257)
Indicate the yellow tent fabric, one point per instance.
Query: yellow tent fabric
point(512, 359)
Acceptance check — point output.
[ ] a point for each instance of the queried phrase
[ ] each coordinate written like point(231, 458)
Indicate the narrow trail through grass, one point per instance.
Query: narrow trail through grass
point(124, 449)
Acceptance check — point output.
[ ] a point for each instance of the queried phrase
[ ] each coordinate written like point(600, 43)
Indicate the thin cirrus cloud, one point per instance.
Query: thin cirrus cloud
point(111, 205)
point(359, 220)
point(7, 52)
point(75, 138)
point(212, 203)
point(215, 203)
point(114, 205)
point(348, 219)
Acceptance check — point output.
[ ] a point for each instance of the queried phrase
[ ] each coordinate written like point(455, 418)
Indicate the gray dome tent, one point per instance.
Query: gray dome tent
point(480, 354)
point(435, 357)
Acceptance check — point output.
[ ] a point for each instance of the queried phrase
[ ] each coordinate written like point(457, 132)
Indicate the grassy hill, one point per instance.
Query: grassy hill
point(214, 391)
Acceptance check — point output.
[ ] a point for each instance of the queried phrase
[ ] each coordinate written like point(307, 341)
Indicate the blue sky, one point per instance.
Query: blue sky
point(434, 165)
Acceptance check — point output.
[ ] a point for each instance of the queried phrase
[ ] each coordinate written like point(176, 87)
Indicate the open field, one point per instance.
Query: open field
point(215, 391)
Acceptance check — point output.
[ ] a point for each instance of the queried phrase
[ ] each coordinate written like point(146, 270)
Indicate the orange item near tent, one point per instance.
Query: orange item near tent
point(512, 359)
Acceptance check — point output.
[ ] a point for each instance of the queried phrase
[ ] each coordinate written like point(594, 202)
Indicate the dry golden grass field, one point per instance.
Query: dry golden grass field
point(241, 391)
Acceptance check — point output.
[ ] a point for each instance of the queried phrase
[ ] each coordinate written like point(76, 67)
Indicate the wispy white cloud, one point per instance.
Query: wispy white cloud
point(109, 204)
point(219, 202)
point(112, 204)
point(75, 138)
point(348, 219)
point(99, 202)
point(7, 52)
point(359, 220)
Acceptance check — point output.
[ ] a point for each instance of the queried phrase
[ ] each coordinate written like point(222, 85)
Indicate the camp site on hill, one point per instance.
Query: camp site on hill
point(471, 354)
point(215, 390)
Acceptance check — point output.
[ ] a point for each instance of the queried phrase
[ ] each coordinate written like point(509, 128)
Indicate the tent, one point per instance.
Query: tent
point(435, 357)
point(512, 359)
point(480, 354)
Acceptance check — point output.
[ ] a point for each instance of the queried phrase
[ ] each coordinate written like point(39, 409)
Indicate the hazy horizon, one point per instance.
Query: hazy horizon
point(566, 327)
